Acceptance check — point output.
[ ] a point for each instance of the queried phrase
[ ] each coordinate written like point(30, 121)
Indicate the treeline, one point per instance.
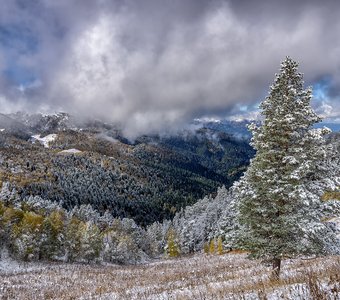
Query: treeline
point(37, 229)
point(32, 232)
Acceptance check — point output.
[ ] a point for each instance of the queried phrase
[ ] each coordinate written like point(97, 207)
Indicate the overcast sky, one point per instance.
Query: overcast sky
point(154, 64)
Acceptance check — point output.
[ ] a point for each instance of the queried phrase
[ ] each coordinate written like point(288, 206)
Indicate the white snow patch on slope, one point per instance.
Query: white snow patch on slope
point(71, 151)
point(45, 140)
point(2, 129)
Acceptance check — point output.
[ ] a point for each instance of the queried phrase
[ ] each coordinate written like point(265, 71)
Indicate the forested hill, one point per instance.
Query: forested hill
point(61, 159)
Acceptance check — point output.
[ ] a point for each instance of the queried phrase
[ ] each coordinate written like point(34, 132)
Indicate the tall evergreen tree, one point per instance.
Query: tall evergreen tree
point(280, 210)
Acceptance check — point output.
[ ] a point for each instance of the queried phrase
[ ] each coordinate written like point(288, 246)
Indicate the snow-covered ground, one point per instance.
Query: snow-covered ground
point(229, 276)
point(9, 266)
point(2, 129)
point(70, 151)
point(44, 140)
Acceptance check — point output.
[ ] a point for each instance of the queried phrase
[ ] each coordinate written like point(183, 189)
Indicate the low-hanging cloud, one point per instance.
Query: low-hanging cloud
point(151, 65)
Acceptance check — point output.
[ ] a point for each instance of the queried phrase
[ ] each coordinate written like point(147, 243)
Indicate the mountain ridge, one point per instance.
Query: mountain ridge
point(148, 179)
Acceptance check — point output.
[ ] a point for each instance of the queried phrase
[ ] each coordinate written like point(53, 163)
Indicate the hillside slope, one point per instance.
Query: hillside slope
point(147, 180)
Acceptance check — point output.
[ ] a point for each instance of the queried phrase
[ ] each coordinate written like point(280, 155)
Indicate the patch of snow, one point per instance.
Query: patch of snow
point(7, 264)
point(10, 266)
point(203, 120)
point(71, 151)
point(44, 140)
point(2, 129)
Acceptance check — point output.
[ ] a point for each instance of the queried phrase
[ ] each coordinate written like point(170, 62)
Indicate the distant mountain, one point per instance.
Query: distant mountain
point(77, 162)
point(236, 129)
point(45, 124)
point(335, 127)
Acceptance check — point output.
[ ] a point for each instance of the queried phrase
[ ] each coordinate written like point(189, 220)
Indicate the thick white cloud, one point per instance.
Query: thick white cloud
point(150, 66)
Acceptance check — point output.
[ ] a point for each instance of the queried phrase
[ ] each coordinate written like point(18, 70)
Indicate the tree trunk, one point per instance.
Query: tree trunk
point(276, 268)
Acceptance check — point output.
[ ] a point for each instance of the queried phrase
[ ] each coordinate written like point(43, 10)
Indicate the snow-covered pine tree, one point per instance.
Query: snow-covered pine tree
point(280, 208)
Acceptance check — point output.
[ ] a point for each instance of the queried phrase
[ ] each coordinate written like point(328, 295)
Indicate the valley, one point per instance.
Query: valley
point(148, 179)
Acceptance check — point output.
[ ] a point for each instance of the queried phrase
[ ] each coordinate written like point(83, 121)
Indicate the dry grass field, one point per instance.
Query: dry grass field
point(229, 276)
